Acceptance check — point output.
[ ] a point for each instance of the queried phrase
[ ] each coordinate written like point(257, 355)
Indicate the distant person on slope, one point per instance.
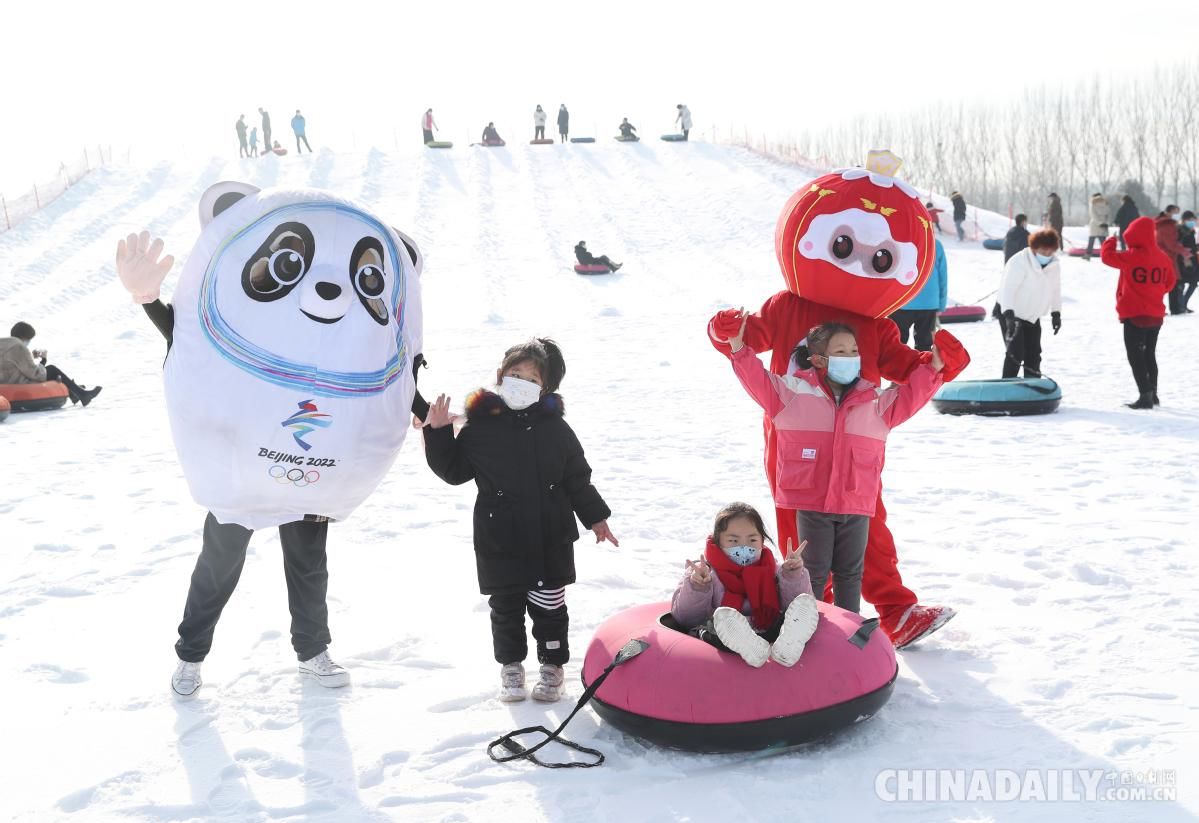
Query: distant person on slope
point(1188, 268)
point(627, 130)
point(935, 214)
point(266, 128)
point(297, 126)
point(18, 364)
point(491, 137)
point(1101, 216)
point(254, 142)
point(959, 214)
point(563, 123)
point(244, 150)
point(1053, 212)
point(683, 118)
point(1014, 242)
point(920, 313)
point(539, 118)
point(1167, 223)
point(1127, 212)
point(1146, 274)
point(586, 258)
point(1030, 289)
point(428, 125)
point(533, 482)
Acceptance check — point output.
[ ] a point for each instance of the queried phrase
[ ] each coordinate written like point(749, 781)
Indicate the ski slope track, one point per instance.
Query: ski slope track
point(1066, 542)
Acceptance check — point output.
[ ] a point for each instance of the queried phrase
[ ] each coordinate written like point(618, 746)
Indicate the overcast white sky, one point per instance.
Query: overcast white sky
point(145, 73)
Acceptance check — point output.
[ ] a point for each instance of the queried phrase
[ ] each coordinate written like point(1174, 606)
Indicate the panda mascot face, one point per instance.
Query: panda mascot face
point(857, 239)
point(289, 380)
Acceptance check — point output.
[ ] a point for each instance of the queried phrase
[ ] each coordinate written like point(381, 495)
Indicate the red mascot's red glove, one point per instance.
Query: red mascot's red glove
point(726, 324)
point(953, 354)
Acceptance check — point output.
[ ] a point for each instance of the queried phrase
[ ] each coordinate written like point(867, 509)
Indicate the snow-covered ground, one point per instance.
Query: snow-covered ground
point(1066, 542)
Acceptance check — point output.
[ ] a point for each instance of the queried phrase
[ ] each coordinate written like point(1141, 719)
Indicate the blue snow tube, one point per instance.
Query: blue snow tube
point(993, 243)
point(582, 139)
point(1013, 395)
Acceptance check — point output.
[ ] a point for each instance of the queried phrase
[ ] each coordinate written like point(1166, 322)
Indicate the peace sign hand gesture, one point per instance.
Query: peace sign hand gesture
point(139, 268)
point(794, 556)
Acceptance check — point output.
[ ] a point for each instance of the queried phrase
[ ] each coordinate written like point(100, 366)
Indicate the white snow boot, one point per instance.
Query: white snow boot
point(186, 680)
point(323, 670)
point(512, 683)
point(734, 630)
point(548, 687)
point(799, 624)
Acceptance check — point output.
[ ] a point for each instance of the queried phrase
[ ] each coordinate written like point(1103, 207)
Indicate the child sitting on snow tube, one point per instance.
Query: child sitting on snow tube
point(750, 606)
point(832, 428)
point(586, 258)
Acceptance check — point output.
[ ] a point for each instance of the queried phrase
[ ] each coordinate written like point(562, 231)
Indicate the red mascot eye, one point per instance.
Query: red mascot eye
point(842, 247)
point(882, 261)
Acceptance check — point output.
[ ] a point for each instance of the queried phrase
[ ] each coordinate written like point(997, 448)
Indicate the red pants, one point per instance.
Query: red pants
point(882, 586)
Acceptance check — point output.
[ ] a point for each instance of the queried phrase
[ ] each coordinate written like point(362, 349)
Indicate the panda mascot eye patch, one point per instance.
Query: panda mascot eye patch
point(297, 318)
point(279, 263)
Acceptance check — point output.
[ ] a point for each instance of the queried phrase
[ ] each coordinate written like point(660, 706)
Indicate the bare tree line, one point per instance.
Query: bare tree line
point(1138, 136)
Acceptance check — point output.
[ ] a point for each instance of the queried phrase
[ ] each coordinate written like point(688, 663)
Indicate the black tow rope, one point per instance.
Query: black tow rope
point(517, 751)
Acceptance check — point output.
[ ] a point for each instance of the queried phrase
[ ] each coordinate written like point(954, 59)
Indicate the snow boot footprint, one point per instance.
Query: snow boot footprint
point(736, 633)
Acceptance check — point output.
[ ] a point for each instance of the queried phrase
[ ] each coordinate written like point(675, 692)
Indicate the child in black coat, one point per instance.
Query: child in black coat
point(532, 479)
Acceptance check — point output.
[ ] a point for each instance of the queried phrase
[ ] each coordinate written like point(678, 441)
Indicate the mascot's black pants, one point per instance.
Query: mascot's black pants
point(219, 568)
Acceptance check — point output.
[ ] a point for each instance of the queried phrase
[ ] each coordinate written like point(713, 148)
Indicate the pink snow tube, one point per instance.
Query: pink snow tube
point(683, 693)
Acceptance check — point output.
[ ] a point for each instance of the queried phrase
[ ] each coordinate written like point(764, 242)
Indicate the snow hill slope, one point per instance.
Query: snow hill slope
point(1066, 542)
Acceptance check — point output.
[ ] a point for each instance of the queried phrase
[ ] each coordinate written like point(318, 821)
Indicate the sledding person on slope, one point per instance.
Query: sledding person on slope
point(20, 364)
point(1030, 289)
point(1146, 274)
point(532, 480)
point(627, 130)
point(829, 479)
point(737, 599)
point(586, 258)
point(491, 137)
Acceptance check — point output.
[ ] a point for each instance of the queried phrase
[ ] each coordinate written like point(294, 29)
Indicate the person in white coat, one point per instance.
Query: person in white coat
point(539, 123)
point(1031, 288)
point(684, 120)
point(1101, 216)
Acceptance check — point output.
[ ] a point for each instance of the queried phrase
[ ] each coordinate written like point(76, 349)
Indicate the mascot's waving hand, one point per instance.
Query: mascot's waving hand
point(854, 246)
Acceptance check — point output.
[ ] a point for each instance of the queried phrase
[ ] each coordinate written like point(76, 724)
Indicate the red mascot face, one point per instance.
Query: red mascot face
point(858, 240)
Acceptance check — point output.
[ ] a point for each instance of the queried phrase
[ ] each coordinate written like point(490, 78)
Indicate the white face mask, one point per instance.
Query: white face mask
point(519, 394)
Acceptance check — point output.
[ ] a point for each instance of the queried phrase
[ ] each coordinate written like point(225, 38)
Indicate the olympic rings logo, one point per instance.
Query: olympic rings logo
point(297, 477)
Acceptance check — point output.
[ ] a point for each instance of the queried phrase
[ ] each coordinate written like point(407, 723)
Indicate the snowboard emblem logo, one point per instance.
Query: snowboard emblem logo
point(306, 420)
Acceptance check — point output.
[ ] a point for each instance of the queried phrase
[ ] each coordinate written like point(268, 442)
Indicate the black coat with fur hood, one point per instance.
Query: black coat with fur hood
point(532, 479)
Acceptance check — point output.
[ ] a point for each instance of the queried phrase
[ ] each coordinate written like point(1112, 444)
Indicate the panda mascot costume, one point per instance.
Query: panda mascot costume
point(854, 246)
point(293, 340)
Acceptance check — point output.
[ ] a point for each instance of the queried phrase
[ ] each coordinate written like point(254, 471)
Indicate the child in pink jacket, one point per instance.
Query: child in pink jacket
point(736, 599)
point(832, 430)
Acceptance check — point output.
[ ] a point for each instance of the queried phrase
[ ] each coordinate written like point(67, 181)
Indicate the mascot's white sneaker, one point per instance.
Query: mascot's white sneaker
point(186, 680)
point(799, 624)
point(548, 687)
point(734, 630)
point(323, 670)
point(512, 683)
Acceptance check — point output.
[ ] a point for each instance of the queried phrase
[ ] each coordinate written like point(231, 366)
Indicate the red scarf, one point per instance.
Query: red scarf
point(756, 582)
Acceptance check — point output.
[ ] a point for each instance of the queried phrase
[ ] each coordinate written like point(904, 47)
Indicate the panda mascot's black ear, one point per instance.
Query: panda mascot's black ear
point(221, 196)
point(418, 259)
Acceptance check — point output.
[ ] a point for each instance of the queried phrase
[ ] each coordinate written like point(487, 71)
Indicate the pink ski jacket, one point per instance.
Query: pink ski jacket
point(830, 455)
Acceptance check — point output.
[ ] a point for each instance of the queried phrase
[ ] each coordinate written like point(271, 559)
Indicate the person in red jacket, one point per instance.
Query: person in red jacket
point(856, 244)
point(1167, 240)
point(1146, 275)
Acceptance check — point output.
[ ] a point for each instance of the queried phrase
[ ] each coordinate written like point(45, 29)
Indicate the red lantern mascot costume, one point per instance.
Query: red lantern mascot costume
point(854, 246)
